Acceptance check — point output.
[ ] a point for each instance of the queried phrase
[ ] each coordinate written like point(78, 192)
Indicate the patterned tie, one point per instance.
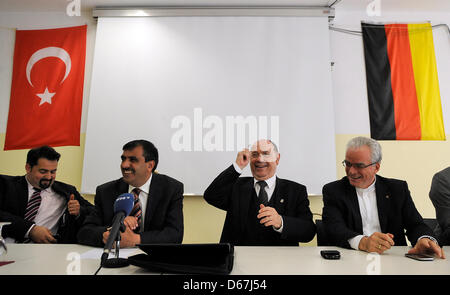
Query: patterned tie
point(137, 209)
point(33, 205)
point(262, 196)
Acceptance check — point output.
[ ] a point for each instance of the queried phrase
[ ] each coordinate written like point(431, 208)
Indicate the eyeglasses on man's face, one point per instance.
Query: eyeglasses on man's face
point(348, 164)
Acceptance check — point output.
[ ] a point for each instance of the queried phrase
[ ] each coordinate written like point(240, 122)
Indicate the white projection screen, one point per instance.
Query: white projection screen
point(203, 88)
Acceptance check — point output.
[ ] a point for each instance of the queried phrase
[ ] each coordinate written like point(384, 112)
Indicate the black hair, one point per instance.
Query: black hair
point(150, 151)
point(45, 152)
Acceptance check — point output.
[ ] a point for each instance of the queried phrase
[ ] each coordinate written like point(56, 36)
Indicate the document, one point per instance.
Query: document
point(97, 253)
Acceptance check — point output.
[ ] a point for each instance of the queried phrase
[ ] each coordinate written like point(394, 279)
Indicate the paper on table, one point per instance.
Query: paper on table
point(97, 253)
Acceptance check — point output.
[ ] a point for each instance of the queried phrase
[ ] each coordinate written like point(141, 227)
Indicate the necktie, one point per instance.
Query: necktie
point(262, 196)
point(137, 209)
point(33, 205)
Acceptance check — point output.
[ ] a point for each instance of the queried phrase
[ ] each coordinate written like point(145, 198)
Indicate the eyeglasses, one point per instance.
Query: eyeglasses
point(346, 164)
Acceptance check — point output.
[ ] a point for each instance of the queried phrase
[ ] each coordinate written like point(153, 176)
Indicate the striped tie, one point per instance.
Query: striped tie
point(33, 205)
point(137, 210)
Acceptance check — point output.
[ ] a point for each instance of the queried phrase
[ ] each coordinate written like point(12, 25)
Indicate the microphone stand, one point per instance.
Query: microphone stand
point(117, 261)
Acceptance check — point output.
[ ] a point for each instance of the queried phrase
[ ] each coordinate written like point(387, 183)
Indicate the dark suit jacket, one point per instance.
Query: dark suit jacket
point(13, 203)
point(232, 193)
point(163, 215)
point(396, 211)
point(440, 196)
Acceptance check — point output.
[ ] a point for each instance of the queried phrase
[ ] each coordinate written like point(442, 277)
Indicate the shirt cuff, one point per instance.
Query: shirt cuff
point(280, 230)
point(28, 232)
point(354, 242)
point(428, 237)
point(237, 168)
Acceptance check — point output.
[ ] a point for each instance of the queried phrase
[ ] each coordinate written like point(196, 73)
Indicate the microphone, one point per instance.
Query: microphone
point(122, 208)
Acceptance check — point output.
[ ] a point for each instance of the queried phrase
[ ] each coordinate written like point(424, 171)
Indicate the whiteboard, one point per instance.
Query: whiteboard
point(203, 88)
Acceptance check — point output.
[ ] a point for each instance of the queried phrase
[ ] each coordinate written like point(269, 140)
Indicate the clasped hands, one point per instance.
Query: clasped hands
point(128, 238)
point(379, 242)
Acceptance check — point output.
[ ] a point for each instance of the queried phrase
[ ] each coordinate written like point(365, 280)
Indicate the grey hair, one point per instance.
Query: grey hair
point(274, 145)
point(375, 147)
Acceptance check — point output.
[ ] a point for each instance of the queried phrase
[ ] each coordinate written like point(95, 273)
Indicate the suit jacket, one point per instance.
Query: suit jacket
point(440, 196)
point(396, 212)
point(163, 222)
point(232, 193)
point(14, 200)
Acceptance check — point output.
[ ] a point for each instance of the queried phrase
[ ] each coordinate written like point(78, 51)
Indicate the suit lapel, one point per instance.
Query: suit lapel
point(122, 187)
point(352, 199)
point(22, 193)
point(245, 195)
point(60, 192)
point(279, 194)
point(383, 195)
point(154, 195)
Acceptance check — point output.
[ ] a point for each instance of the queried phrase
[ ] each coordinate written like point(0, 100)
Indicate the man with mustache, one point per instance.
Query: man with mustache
point(368, 212)
point(262, 210)
point(157, 216)
point(41, 209)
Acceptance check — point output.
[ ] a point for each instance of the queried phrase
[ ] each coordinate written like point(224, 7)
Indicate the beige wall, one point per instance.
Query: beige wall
point(415, 162)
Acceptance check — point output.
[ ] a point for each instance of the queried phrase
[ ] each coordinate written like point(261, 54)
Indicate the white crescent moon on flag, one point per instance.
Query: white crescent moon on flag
point(49, 52)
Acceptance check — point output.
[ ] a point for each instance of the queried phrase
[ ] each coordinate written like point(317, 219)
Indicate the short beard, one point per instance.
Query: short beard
point(45, 186)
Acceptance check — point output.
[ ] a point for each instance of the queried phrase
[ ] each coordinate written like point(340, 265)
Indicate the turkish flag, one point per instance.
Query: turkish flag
point(47, 88)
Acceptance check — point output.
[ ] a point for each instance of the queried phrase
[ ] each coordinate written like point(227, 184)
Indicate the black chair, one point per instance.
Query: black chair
point(322, 239)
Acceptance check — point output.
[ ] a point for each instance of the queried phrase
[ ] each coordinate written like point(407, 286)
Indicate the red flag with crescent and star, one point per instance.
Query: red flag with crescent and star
point(47, 88)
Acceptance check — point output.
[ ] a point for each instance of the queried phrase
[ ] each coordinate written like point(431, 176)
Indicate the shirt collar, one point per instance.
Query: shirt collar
point(270, 181)
point(31, 188)
point(369, 189)
point(145, 187)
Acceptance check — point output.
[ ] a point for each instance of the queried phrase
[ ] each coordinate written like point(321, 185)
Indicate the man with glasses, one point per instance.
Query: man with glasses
point(262, 210)
point(368, 212)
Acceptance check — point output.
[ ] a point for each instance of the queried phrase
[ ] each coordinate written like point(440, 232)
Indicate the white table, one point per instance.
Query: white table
point(38, 259)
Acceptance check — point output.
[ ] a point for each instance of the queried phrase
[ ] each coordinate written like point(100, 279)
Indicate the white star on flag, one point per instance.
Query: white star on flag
point(46, 97)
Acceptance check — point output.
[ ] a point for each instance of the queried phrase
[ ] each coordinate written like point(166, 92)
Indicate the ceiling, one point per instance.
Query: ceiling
point(60, 5)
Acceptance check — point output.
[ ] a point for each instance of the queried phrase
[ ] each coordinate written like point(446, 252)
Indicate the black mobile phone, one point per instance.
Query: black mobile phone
point(330, 254)
point(420, 257)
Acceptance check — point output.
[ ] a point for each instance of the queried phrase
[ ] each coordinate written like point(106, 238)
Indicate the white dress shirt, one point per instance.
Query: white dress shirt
point(143, 197)
point(50, 211)
point(367, 200)
point(270, 188)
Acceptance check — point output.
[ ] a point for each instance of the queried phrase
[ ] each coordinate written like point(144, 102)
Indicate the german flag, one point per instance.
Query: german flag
point(402, 82)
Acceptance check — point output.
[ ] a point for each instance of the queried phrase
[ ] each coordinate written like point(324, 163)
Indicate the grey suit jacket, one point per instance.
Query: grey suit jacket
point(440, 196)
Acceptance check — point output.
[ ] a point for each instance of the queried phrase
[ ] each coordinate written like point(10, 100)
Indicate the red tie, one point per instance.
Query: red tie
point(33, 205)
point(137, 210)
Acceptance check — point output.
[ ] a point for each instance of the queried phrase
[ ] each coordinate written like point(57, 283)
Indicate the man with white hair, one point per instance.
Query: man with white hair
point(262, 210)
point(368, 212)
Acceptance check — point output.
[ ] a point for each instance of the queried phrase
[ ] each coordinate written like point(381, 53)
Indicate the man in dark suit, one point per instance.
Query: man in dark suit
point(262, 210)
point(440, 196)
point(39, 208)
point(157, 216)
point(365, 211)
